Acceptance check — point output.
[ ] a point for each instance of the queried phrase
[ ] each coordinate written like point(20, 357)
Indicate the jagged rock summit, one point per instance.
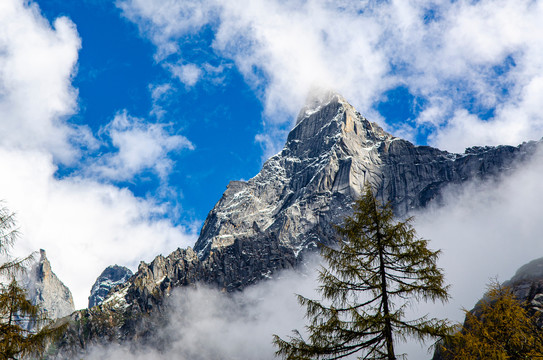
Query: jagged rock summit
point(329, 156)
point(112, 276)
point(46, 290)
point(267, 223)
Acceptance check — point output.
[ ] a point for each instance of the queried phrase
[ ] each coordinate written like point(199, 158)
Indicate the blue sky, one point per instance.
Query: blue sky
point(117, 72)
point(128, 118)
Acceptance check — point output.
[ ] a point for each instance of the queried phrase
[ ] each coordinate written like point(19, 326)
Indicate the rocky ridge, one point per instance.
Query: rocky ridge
point(330, 155)
point(269, 222)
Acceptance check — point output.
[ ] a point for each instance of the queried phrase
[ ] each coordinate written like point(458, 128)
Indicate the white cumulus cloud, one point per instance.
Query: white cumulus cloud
point(37, 62)
point(188, 74)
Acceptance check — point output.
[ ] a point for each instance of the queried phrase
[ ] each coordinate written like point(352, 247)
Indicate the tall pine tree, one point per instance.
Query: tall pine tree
point(378, 268)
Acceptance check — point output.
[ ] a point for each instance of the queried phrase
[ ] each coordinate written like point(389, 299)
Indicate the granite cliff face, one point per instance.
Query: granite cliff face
point(269, 222)
point(46, 290)
point(112, 276)
point(329, 156)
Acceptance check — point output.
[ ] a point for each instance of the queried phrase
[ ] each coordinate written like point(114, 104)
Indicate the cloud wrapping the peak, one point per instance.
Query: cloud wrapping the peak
point(478, 63)
point(204, 323)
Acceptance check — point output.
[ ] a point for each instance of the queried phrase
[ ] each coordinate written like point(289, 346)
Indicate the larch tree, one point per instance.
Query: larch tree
point(500, 327)
point(24, 329)
point(378, 268)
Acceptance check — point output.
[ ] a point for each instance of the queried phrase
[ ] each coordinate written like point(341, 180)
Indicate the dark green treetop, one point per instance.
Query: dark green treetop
point(378, 268)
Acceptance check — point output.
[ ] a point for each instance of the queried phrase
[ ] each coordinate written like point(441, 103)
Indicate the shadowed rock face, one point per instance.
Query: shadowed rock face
point(112, 276)
point(46, 290)
point(267, 223)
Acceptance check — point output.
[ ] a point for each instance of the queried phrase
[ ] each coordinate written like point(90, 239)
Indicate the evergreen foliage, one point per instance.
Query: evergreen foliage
point(8, 235)
point(377, 269)
point(19, 321)
point(499, 328)
point(24, 329)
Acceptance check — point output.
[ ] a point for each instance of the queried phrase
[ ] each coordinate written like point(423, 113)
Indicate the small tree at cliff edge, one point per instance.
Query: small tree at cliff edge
point(373, 274)
point(500, 327)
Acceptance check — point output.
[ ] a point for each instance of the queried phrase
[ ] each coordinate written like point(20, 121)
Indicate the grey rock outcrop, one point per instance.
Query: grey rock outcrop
point(532, 271)
point(527, 285)
point(269, 222)
point(46, 290)
point(112, 276)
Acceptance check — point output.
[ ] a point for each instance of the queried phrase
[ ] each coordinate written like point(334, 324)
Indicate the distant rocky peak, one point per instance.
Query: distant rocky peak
point(43, 267)
point(46, 290)
point(528, 272)
point(111, 277)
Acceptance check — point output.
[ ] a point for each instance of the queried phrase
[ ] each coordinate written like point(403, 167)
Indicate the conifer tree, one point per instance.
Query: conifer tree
point(8, 235)
point(377, 269)
point(24, 329)
point(500, 327)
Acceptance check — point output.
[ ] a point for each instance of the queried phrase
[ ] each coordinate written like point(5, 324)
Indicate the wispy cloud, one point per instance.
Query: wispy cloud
point(463, 58)
point(207, 324)
point(188, 74)
point(141, 146)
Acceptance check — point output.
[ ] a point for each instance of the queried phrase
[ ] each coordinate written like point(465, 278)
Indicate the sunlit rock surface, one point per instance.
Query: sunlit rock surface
point(46, 290)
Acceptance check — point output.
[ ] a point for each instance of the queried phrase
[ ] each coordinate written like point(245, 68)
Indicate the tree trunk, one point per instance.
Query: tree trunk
point(384, 294)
